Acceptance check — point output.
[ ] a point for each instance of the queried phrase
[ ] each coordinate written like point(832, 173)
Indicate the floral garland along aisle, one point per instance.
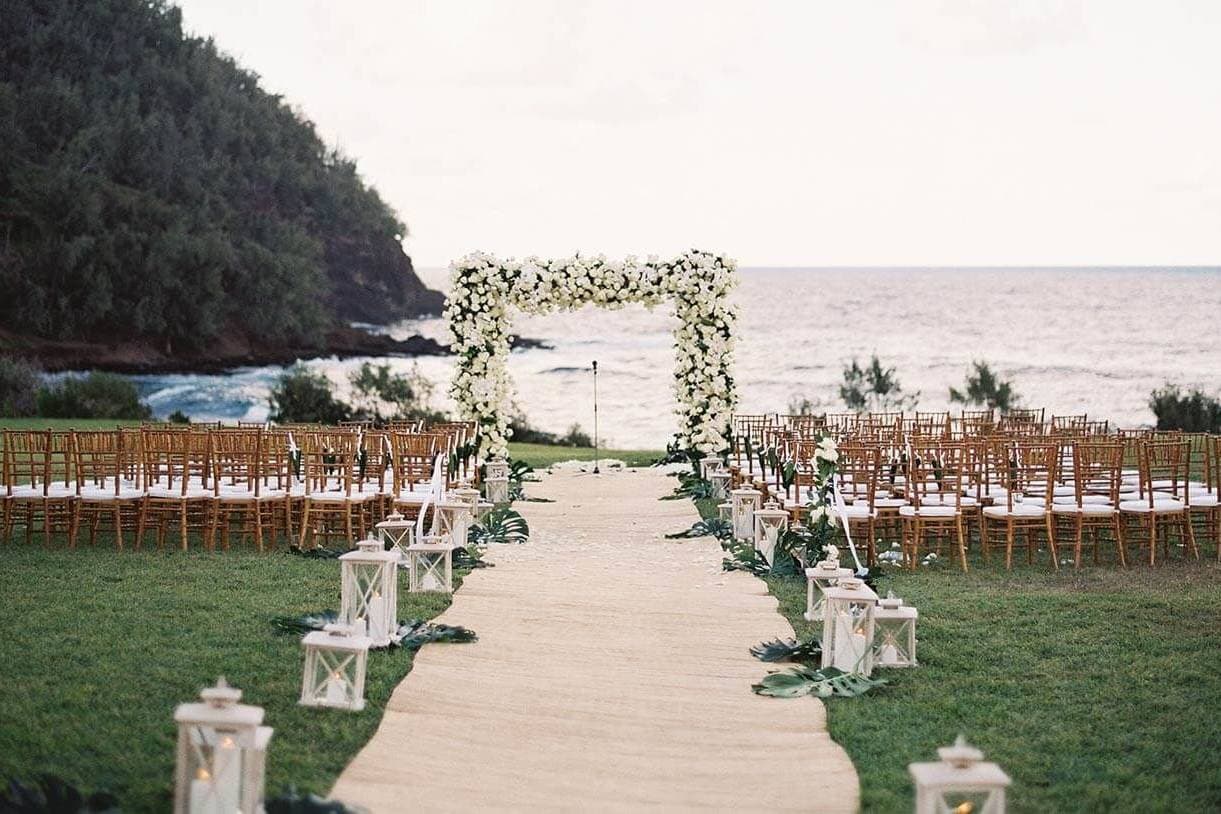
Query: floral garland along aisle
point(483, 289)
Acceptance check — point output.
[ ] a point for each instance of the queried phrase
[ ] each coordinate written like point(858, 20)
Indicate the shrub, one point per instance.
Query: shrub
point(98, 395)
point(303, 395)
point(384, 396)
point(1191, 412)
point(19, 382)
point(873, 388)
point(984, 389)
point(178, 417)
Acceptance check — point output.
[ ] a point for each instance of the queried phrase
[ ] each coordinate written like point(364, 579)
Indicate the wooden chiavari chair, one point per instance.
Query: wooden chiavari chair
point(413, 463)
point(104, 489)
point(1026, 469)
point(175, 476)
point(934, 492)
point(857, 473)
point(37, 470)
point(333, 491)
point(241, 491)
point(1094, 504)
point(1165, 494)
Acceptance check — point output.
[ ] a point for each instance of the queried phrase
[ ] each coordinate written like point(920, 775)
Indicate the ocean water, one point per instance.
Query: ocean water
point(1093, 341)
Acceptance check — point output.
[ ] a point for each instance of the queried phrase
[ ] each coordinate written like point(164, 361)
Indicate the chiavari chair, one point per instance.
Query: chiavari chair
point(104, 488)
point(175, 477)
point(242, 491)
point(37, 469)
point(934, 494)
point(1165, 494)
point(333, 492)
point(1027, 469)
point(857, 473)
point(1094, 504)
point(413, 465)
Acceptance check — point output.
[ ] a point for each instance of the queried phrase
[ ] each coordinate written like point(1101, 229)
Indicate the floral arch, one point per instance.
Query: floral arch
point(483, 289)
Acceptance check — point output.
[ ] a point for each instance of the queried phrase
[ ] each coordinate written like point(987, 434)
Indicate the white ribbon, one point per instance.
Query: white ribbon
point(434, 495)
point(841, 509)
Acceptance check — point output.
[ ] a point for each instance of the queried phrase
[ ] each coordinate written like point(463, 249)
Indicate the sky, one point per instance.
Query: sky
point(914, 132)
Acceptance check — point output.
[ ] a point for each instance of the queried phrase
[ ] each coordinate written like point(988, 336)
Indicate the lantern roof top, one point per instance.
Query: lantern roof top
point(219, 707)
point(852, 590)
point(336, 637)
point(370, 551)
point(393, 520)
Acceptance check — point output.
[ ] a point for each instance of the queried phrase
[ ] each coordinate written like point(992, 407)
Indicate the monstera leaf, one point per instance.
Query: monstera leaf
point(711, 527)
point(470, 558)
point(296, 625)
point(743, 557)
point(501, 525)
point(293, 803)
point(823, 683)
point(787, 650)
point(52, 795)
point(415, 633)
point(690, 486)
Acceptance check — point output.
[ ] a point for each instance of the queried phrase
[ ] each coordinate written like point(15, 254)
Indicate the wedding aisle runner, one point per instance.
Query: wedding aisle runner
point(611, 672)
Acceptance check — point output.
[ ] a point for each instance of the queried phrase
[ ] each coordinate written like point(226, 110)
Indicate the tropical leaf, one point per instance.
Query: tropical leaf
point(501, 525)
point(823, 683)
point(787, 650)
point(296, 625)
point(710, 527)
point(415, 633)
point(520, 471)
point(469, 557)
point(293, 803)
point(744, 557)
point(690, 486)
point(53, 795)
point(317, 553)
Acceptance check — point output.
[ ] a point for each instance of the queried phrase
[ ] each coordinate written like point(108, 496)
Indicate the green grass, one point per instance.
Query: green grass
point(1096, 690)
point(97, 648)
point(9, 423)
point(540, 455)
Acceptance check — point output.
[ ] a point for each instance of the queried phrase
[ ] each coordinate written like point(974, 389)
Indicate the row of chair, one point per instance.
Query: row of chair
point(1064, 487)
point(300, 482)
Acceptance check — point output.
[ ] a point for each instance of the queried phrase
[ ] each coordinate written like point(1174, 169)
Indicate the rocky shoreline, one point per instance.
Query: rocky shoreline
point(233, 351)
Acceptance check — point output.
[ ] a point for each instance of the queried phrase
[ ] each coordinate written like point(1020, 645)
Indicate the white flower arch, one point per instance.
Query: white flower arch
point(484, 288)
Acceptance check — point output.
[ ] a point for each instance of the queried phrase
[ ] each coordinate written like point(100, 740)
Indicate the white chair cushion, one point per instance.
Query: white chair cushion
point(859, 511)
point(1092, 509)
point(95, 493)
point(965, 501)
point(54, 492)
point(175, 493)
point(1026, 510)
point(889, 503)
point(1206, 501)
point(1159, 506)
point(928, 511)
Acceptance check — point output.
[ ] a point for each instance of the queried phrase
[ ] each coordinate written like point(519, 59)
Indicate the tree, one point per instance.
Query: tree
point(1190, 412)
point(19, 383)
point(381, 395)
point(98, 395)
point(303, 395)
point(874, 388)
point(984, 389)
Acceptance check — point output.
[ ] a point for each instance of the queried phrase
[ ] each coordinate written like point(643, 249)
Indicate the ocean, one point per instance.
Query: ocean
point(1080, 340)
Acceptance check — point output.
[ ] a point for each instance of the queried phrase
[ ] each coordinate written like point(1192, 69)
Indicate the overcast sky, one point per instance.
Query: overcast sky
point(946, 132)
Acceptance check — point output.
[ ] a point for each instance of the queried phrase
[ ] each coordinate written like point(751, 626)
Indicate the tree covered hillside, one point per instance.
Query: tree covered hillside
point(151, 191)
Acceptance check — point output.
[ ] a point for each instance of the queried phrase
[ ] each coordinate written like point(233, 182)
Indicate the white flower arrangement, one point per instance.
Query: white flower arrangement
point(483, 289)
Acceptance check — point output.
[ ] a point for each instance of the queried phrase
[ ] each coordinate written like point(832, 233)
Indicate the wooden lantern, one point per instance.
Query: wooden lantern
point(720, 481)
point(960, 782)
point(396, 533)
point(770, 522)
point(894, 627)
point(454, 521)
point(431, 565)
point(818, 579)
point(369, 591)
point(744, 503)
point(708, 466)
point(334, 676)
point(222, 749)
point(847, 629)
point(498, 490)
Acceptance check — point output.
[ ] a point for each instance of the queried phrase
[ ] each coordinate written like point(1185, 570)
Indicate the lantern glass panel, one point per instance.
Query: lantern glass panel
point(894, 638)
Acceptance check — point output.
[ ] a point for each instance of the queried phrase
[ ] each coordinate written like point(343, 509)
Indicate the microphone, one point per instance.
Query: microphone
point(595, 416)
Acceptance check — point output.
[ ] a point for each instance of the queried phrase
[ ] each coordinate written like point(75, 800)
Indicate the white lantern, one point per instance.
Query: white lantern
point(818, 579)
point(498, 490)
point(744, 502)
point(431, 565)
point(222, 750)
point(482, 509)
point(770, 522)
point(497, 468)
point(466, 494)
point(396, 531)
point(720, 484)
point(454, 521)
point(960, 781)
point(369, 591)
point(335, 659)
point(847, 628)
point(708, 466)
point(724, 511)
point(894, 628)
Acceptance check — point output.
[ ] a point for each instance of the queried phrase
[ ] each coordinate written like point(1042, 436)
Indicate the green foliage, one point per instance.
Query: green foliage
point(787, 650)
point(800, 405)
point(542, 456)
point(874, 388)
point(97, 395)
point(293, 803)
point(711, 527)
point(149, 188)
point(744, 557)
point(304, 395)
point(415, 633)
point(690, 486)
point(823, 683)
point(382, 395)
point(19, 383)
point(984, 389)
point(501, 525)
point(1191, 412)
point(178, 417)
point(525, 433)
point(52, 795)
point(305, 623)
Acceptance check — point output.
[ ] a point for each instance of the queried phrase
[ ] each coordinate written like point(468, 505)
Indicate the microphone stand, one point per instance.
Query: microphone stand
point(595, 417)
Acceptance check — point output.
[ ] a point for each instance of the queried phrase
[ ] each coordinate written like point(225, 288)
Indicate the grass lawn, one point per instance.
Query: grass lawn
point(97, 648)
point(1096, 690)
point(540, 455)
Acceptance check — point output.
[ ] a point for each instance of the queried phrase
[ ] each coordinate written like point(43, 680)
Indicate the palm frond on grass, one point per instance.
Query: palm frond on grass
point(711, 527)
point(317, 553)
point(53, 795)
point(690, 486)
point(411, 634)
point(823, 683)
point(297, 625)
point(470, 558)
point(743, 557)
point(293, 803)
point(787, 650)
point(502, 525)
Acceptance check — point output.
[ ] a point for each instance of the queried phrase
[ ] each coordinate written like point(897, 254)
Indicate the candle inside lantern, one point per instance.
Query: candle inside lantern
point(227, 775)
point(201, 799)
point(888, 655)
point(336, 693)
point(377, 616)
point(849, 645)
